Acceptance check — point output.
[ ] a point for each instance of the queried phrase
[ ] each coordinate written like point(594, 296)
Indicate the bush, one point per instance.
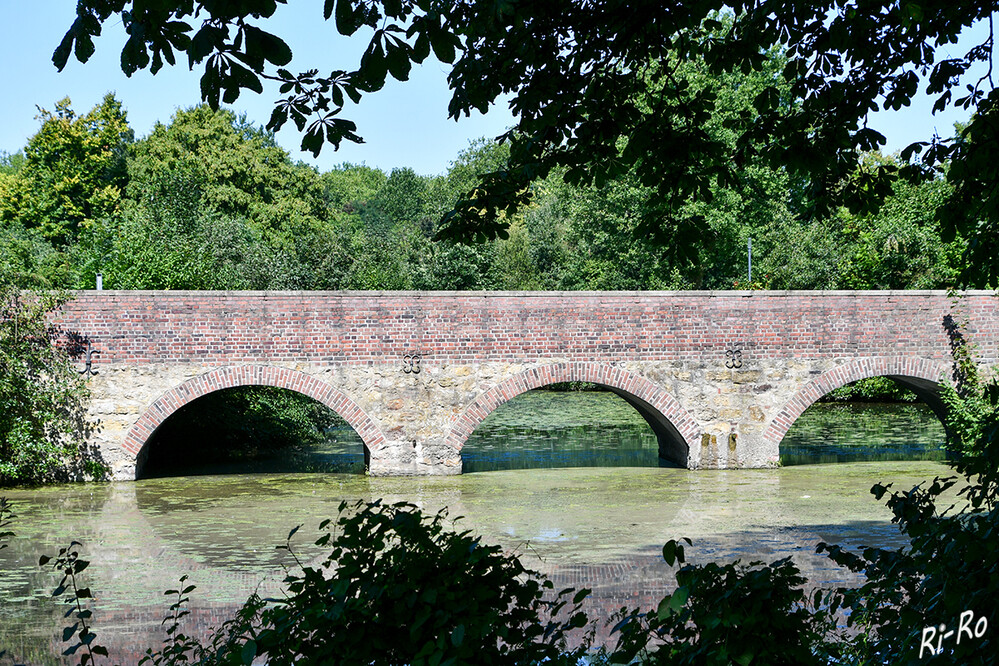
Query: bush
point(397, 588)
point(43, 424)
point(729, 614)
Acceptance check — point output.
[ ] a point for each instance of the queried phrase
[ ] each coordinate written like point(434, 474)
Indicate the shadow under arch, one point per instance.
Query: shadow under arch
point(673, 426)
point(249, 375)
point(919, 375)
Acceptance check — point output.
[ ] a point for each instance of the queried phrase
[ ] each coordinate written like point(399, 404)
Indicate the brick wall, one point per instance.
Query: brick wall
point(220, 328)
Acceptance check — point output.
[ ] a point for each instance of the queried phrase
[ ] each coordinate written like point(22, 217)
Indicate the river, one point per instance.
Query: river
point(571, 482)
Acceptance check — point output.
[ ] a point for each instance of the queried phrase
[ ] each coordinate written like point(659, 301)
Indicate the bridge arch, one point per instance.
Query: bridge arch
point(919, 375)
point(249, 375)
point(672, 424)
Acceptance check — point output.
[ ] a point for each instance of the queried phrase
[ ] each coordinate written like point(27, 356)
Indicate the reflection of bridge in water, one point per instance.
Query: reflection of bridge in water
point(597, 528)
point(719, 376)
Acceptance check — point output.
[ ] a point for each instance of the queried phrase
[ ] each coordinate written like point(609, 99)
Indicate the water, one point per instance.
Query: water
point(600, 527)
point(599, 429)
point(546, 429)
point(838, 432)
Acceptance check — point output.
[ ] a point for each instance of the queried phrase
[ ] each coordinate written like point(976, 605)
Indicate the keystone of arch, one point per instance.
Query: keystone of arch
point(924, 372)
point(252, 375)
point(625, 384)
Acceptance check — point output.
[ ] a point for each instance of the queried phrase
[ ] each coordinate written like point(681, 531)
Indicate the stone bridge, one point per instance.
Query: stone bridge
point(719, 376)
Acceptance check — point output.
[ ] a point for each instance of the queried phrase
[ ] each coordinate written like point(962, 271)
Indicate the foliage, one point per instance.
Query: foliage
point(68, 563)
point(11, 163)
point(241, 423)
point(349, 183)
point(399, 587)
point(901, 246)
point(728, 614)
point(73, 171)
point(212, 203)
point(43, 424)
point(810, 120)
point(29, 261)
point(215, 161)
point(969, 409)
point(950, 568)
point(872, 389)
point(176, 645)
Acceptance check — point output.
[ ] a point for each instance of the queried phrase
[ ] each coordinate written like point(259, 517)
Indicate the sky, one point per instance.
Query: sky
point(404, 124)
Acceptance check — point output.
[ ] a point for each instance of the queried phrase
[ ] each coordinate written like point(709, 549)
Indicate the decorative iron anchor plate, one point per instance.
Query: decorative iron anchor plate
point(733, 358)
point(88, 369)
point(411, 363)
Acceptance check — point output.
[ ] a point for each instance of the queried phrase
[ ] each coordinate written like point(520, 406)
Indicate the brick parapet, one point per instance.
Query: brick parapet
point(221, 328)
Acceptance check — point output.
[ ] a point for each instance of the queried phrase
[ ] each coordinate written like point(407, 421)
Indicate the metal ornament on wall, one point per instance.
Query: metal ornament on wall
point(733, 358)
point(411, 363)
point(88, 369)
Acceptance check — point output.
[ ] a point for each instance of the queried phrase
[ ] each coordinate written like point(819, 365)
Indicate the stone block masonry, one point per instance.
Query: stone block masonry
point(719, 376)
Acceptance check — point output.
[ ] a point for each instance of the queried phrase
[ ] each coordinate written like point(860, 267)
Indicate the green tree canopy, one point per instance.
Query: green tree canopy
point(220, 162)
point(73, 171)
point(587, 101)
point(43, 400)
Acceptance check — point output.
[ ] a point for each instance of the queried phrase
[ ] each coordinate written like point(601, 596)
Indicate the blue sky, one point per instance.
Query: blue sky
point(405, 124)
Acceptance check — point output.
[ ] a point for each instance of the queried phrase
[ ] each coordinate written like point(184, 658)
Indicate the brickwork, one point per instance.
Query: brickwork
point(219, 328)
point(251, 375)
point(678, 425)
point(720, 376)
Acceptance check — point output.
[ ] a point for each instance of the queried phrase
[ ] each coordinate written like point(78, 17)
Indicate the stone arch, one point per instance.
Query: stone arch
point(250, 375)
point(673, 425)
point(919, 375)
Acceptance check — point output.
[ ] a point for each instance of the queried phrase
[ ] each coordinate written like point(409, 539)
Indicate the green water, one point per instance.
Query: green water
point(598, 429)
point(595, 526)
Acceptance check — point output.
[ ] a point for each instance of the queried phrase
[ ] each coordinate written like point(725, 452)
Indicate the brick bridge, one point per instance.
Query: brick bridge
point(719, 376)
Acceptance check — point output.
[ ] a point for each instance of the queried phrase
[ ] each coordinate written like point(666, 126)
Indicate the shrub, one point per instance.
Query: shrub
point(43, 424)
point(729, 614)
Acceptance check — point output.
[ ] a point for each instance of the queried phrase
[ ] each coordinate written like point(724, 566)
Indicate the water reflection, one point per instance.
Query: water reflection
point(598, 527)
point(837, 432)
point(545, 429)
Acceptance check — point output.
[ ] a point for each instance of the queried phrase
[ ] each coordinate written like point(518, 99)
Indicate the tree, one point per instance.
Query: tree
point(213, 203)
point(901, 246)
point(576, 71)
point(207, 160)
point(43, 424)
point(72, 173)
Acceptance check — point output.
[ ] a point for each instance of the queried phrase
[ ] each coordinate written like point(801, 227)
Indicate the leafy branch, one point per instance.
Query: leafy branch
point(70, 565)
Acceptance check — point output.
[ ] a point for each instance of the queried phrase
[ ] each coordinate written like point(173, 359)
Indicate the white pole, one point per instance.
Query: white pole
point(750, 259)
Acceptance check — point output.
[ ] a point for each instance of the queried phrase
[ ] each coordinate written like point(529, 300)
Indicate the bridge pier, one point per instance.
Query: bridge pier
point(720, 377)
